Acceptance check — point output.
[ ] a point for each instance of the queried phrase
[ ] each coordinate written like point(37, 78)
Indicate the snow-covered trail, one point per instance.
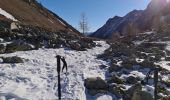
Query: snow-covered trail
point(36, 77)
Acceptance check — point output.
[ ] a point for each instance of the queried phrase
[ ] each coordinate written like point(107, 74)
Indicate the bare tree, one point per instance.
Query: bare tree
point(83, 24)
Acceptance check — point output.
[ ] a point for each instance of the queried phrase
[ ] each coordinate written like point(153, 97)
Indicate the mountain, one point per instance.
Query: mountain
point(116, 24)
point(30, 12)
point(141, 20)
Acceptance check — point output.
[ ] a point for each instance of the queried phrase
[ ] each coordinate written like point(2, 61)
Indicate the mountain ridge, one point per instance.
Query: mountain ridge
point(142, 20)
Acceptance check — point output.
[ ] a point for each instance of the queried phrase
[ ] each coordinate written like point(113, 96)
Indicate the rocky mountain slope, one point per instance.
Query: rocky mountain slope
point(138, 20)
point(27, 25)
point(30, 12)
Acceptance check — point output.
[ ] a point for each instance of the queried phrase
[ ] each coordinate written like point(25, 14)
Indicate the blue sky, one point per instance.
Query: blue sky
point(97, 11)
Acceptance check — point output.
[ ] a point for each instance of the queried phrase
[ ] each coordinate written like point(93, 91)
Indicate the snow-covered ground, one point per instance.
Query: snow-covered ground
point(7, 15)
point(36, 77)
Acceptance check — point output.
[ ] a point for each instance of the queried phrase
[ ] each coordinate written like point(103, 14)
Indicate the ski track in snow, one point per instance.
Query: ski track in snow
point(36, 77)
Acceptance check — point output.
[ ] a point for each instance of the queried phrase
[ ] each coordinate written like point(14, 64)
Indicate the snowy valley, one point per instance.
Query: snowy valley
point(134, 65)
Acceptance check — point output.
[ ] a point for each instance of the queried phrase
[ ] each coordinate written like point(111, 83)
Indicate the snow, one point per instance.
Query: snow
point(36, 77)
point(7, 15)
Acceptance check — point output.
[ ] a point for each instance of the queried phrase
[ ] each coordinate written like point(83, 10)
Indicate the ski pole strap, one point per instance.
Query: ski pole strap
point(64, 64)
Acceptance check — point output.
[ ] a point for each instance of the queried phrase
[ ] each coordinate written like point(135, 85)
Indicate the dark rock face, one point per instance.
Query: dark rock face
point(141, 20)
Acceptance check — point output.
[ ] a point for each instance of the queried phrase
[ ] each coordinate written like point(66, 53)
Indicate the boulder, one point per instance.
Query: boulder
point(131, 80)
point(113, 68)
point(141, 55)
point(2, 48)
point(146, 63)
point(102, 66)
point(117, 90)
point(1, 60)
point(167, 83)
point(156, 58)
point(154, 50)
point(167, 58)
point(167, 52)
point(95, 84)
point(13, 47)
point(142, 95)
point(166, 98)
point(93, 92)
point(14, 59)
point(161, 46)
point(76, 46)
point(129, 93)
point(129, 63)
point(115, 79)
point(1, 40)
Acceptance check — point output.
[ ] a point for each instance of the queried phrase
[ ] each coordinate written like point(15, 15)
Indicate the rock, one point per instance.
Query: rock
point(95, 84)
point(146, 63)
point(115, 79)
point(167, 58)
point(14, 59)
point(141, 55)
point(155, 59)
point(154, 50)
point(1, 60)
point(14, 26)
point(131, 80)
point(129, 93)
point(93, 92)
point(13, 47)
point(2, 48)
point(166, 98)
point(167, 52)
point(103, 66)
point(142, 95)
point(162, 89)
point(158, 58)
point(76, 46)
point(161, 46)
point(167, 83)
point(116, 90)
point(113, 68)
point(1, 40)
point(129, 63)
